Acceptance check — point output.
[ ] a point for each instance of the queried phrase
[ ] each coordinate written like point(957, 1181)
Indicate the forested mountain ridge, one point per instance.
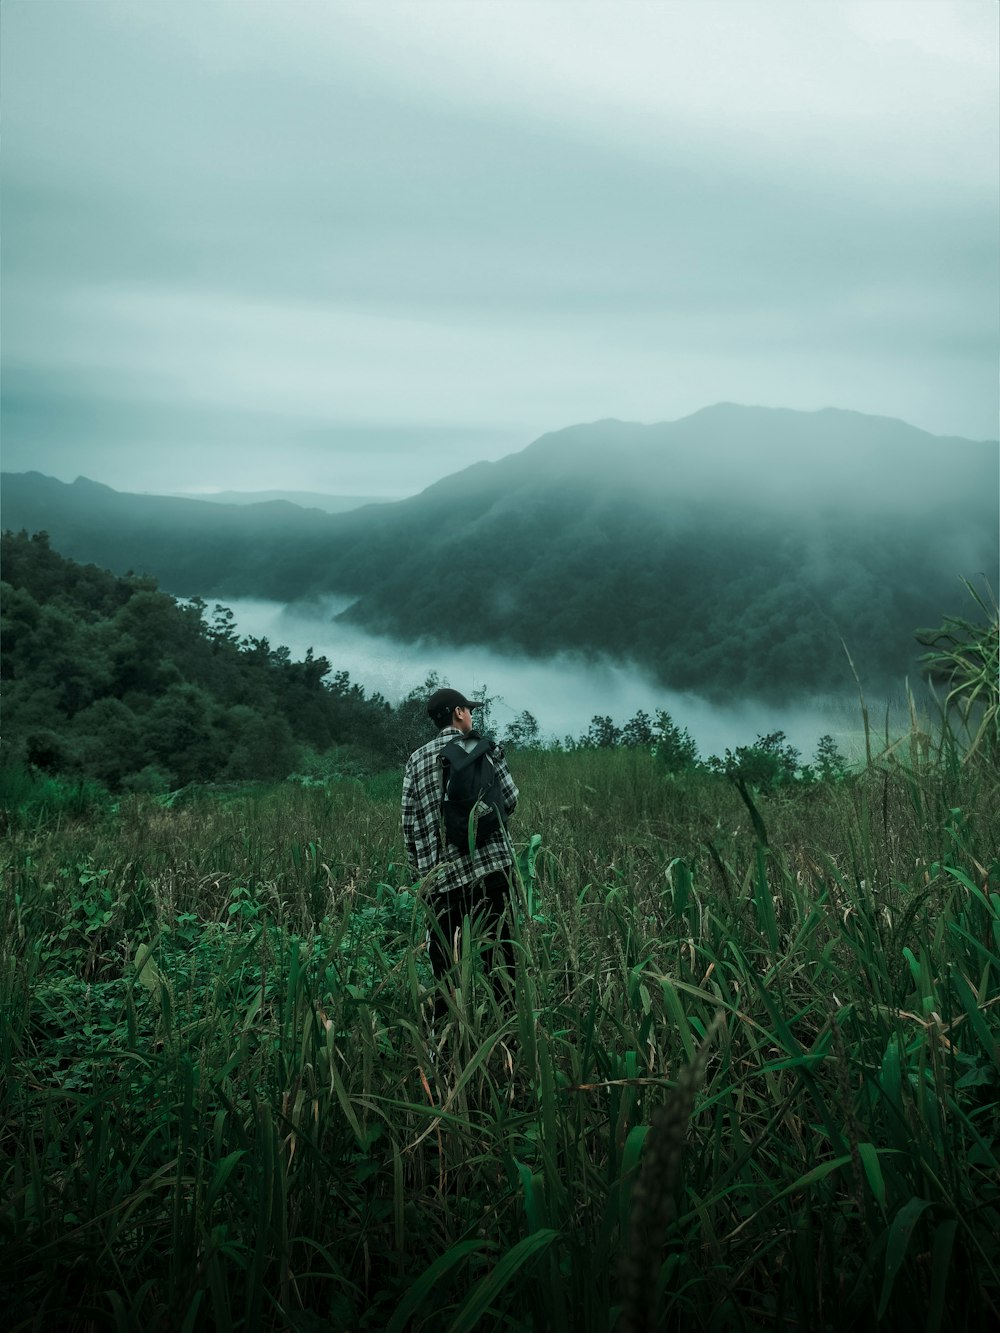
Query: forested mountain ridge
point(730, 551)
point(191, 547)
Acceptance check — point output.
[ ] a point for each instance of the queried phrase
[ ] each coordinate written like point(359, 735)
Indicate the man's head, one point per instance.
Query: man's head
point(449, 708)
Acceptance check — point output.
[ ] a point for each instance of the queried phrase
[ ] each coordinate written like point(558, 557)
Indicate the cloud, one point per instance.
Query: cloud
point(563, 692)
point(84, 425)
point(502, 216)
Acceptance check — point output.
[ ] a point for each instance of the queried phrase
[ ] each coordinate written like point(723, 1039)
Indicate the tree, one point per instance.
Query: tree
point(772, 761)
point(674, 748)
point(223, 628)
point(638, 732)
point(108, 741)
point(259, 747)
point(523, 733)
point(602, 734)
point(831, 766)
point(182, 736)
point(408, 726)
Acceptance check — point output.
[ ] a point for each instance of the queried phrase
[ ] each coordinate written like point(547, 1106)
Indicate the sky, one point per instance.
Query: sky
point(351, 246)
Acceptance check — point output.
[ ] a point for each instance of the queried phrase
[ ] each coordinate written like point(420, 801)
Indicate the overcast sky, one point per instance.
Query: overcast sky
point(351, 247)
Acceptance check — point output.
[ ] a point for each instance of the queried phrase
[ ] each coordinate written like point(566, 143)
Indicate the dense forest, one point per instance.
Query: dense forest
point(737, 551)
point(111, 679)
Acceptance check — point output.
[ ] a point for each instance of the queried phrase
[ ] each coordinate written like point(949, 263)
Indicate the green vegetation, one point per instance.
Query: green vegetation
point(965, 657)
point(731, 552)
point(746, 1076)
point(110, 680)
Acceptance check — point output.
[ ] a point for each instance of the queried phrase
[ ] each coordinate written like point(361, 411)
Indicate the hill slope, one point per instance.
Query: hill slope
point(729, 551)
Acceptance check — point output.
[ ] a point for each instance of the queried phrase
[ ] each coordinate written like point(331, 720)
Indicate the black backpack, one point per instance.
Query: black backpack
point(472, 804)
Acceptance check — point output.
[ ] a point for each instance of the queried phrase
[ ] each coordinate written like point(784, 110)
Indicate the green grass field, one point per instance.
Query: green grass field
point(745, 1076)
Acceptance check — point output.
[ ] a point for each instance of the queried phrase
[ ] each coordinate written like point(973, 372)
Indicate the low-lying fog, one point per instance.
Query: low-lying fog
point(562, 692)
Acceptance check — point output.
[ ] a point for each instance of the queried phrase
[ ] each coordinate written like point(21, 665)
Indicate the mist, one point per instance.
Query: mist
point(773, 460)
point(563, 692)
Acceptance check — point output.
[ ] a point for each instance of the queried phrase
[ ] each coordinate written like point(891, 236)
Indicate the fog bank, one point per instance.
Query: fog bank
point(563, 693)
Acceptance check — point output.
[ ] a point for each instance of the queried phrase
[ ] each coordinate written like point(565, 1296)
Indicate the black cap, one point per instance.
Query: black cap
point(443, 703)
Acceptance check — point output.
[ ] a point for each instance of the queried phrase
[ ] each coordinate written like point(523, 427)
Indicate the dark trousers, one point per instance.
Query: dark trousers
point(485, 901)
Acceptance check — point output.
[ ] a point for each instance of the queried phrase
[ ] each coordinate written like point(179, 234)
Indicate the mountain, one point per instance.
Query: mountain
point(733, 550)
point(188, 545)
point(330, 504)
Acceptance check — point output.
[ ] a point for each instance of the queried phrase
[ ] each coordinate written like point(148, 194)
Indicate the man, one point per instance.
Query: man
point(465, 882)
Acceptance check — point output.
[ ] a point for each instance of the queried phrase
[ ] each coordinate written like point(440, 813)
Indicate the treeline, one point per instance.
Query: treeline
point(771, 762)
point(110, 679)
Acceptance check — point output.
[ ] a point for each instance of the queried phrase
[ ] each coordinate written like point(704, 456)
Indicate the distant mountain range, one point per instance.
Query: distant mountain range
point(330, 504)
point(730, 551)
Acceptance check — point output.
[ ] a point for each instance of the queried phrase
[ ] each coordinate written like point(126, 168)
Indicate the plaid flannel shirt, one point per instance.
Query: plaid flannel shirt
point(426, 847)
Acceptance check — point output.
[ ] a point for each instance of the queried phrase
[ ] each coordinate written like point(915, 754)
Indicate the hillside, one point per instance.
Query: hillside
point(111, 679)
point(189, 546)
point(729, 551)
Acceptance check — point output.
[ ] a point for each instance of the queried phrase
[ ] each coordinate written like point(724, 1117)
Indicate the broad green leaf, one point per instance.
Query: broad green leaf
point(146, 970)
point(419, 1290)
point(900, 1233)
point(873, 1170)
point(534, 1198)
point(891, 1077)
point(223, 1171)
point(485, 1292)
point(988, 1040)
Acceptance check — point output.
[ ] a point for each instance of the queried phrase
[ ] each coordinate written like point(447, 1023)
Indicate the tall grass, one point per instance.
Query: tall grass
point(745, 1074)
